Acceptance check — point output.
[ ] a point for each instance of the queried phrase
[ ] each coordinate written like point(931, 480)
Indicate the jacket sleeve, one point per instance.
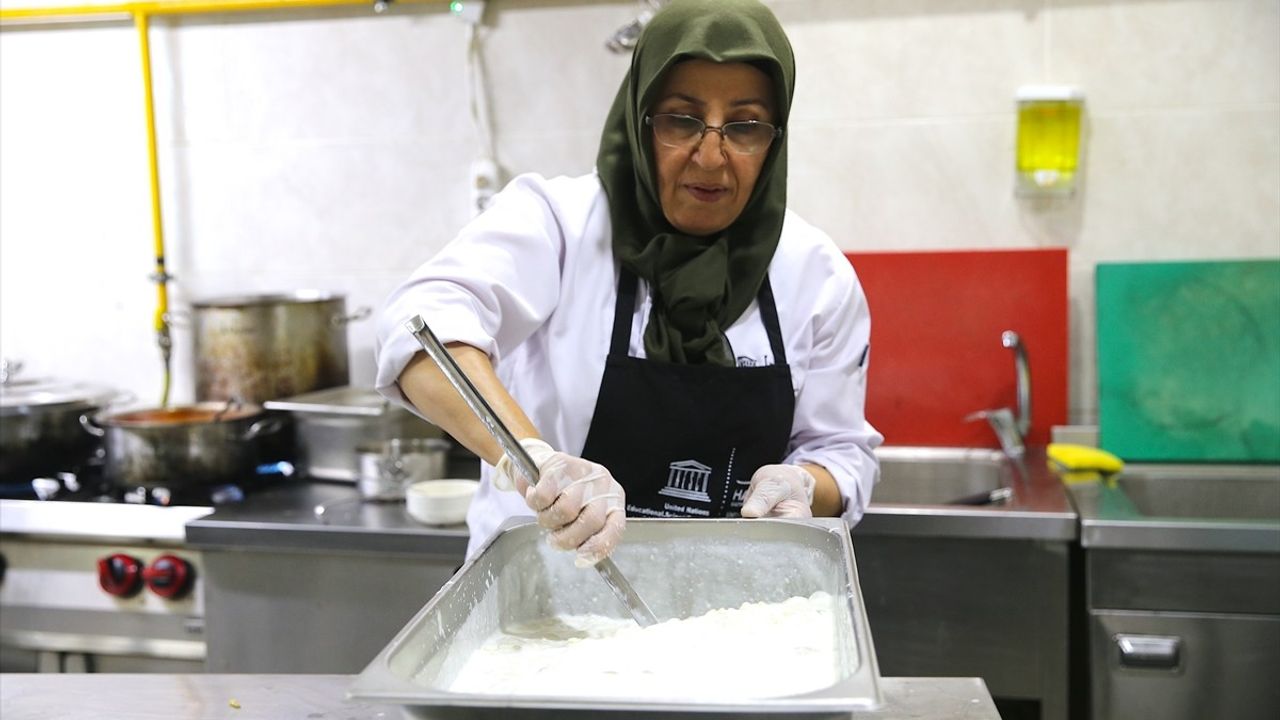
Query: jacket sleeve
point(830, 428)
point(491, 287)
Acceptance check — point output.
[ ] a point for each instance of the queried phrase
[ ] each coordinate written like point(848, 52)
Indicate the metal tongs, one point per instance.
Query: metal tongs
point(613, 577)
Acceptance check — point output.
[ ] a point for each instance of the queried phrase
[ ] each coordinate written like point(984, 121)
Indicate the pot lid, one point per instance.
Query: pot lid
point(18, 396)
point(345, 400)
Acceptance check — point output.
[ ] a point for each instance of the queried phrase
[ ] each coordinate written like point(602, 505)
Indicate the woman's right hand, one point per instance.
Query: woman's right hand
point(576, 499)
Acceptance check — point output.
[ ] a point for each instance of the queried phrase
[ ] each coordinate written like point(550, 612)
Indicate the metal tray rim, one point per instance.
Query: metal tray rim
point(378, 684)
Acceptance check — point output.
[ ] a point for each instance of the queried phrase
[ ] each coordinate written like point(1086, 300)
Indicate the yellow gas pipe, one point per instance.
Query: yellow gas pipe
point(141, 13)
point(161, 276)
point(109, 11)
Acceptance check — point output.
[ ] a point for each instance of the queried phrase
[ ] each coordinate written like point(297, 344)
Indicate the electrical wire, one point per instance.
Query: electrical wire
point(481, 118)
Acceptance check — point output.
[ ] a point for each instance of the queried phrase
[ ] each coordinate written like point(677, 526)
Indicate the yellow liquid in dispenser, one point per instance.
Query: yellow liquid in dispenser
point(1048, 144)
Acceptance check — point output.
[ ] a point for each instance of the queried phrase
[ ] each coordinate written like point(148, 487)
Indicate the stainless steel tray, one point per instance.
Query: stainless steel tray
point(680, 567)
point(343, 400)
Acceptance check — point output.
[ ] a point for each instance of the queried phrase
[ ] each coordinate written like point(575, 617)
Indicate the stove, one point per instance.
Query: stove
point(99, 578)
point(86, 482)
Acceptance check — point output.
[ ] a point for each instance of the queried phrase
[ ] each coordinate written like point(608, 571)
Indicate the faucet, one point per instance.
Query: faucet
point(624, 38)
point(1010, 429)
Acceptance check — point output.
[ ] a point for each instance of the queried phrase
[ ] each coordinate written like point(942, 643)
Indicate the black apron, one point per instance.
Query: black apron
point(684, 440)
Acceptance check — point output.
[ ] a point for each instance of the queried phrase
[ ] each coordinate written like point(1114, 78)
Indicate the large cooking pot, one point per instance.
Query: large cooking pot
point(183, 446)
point(389, 466)
point(254, 348)
point(331, 425)
point(40, 425)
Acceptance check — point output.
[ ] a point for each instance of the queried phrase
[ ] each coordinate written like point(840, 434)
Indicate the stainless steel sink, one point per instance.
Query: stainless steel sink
point(938, 476)
point(1191, 507)
point(1234, 493)
point(967, 492)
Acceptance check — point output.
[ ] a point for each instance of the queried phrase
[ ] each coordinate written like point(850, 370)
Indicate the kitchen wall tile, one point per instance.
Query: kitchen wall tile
point(319, 74)
point(551, 154)
point(1189, 53)
point(944, 184)
point(549, 70)
point(66, 315)
point(354, 207)
point(912, 58)
point(1215, 196)
point(68, 86)
point(193, 90)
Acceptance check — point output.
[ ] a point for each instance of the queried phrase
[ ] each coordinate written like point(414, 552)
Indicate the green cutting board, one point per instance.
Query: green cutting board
point(1189, 361)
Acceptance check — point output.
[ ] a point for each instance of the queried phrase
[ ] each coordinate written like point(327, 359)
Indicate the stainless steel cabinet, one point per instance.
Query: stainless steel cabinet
point(311, 612)
point(1184, 665)
point(971, 607)
point(287, 592)
point(1183, 634)
point(1183, 591)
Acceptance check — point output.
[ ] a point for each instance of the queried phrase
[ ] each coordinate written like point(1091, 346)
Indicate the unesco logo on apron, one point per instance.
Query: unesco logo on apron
point(738, 417)
point(690, 480)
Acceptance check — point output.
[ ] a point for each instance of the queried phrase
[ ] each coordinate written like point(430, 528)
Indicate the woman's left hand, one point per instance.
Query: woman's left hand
point(780, 491)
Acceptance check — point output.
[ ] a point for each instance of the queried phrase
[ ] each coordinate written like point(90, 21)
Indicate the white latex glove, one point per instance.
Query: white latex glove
point(780, 491)
point(577, 500)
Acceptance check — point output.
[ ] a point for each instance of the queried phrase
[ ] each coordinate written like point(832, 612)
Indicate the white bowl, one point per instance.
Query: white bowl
point(440, 502)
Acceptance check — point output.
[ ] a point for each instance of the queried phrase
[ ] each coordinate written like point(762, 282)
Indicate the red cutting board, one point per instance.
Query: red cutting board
point(936, 356)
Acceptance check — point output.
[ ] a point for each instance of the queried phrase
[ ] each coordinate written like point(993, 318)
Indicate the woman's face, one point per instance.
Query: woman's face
point(703, 188)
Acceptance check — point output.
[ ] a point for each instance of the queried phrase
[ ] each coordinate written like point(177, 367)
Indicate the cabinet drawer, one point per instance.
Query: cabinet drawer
point(1184, 665)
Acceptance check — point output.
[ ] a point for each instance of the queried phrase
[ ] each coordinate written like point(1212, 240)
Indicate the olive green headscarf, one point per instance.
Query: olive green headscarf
point(700, 284)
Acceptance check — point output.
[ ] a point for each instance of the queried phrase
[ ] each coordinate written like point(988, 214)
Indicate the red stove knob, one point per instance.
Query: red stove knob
point(120, 575)
point(169, 576)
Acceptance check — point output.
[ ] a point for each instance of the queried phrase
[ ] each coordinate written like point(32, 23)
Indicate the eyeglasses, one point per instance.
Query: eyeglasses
point(746, 137)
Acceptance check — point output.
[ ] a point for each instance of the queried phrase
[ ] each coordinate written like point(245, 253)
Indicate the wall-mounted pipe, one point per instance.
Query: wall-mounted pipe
point(116, 11)
point(161, 276)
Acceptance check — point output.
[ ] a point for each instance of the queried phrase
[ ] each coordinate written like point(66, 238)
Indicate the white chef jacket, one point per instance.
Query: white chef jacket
point(532, 282)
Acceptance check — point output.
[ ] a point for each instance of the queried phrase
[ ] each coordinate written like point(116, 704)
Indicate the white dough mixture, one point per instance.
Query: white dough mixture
point(754, 651)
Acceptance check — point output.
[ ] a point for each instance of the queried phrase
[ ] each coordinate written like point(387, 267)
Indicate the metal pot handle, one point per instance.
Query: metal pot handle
point(178, 318)
point(361, 313)
point(264, 426)
point(91, 427)
point(124, 397)
point(8, 369)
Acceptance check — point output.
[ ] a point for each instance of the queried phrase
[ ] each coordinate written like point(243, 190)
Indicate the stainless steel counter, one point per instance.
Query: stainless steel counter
point(282, 697)
point(283, 518)
point(104, 522)
point(1191, 508)
point(1039, 509)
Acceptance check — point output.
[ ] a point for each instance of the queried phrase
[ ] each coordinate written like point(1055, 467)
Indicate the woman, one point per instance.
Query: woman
point(663, 335)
